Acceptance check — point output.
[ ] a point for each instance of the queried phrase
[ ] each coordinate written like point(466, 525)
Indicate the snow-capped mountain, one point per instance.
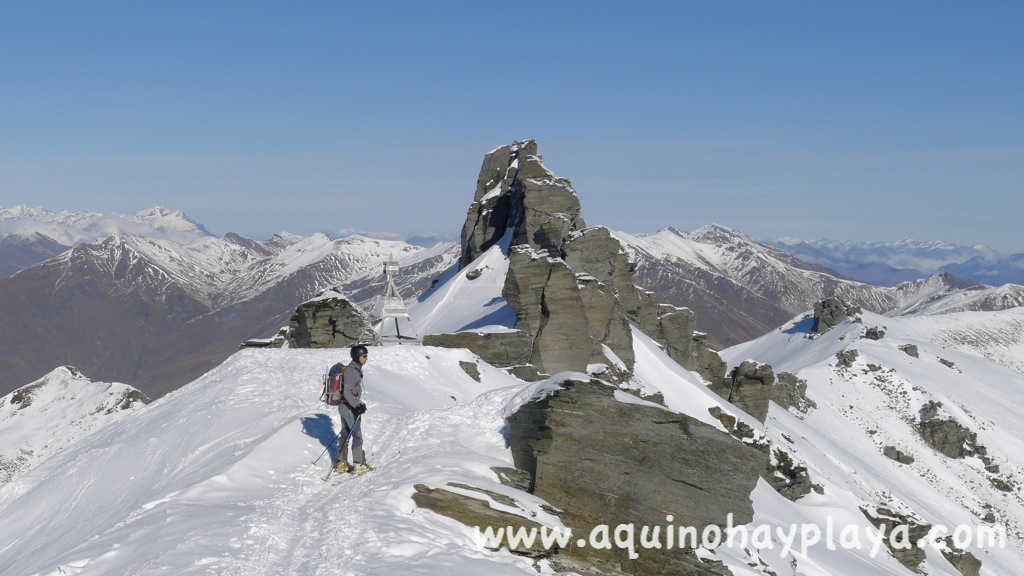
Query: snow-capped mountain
point(890, 263)
point(70, 228)
point(216, 477)
point(741, 288)
point(157, 314)
point(50, 415)
point(19, 251)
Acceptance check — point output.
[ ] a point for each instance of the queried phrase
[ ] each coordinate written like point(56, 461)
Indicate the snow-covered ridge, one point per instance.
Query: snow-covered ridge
point(49, 415)
point(875, 402)
point(226, 271)
point(217, 476)
point(720, 251)
point(70, 228)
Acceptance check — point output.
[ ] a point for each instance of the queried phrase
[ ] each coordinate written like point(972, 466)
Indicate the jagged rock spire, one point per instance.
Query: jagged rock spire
point(515, 191)
point(571, 287)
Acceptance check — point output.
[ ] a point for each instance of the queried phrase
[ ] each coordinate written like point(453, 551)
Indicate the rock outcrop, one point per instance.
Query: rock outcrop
point(515, 190)
point(900, 456)
point(830, 312)
point(511, 350)
point(571, 287)
point(751, 386)
point(874, 333)
point(946, 435)
point(329, 321)
point(910, 350)
point(602, 461)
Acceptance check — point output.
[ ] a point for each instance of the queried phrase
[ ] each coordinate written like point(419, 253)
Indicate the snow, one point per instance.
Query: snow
point(467, 304)
point(71, 228)
point(53, 412)
point(217, 477)
point(876, 403)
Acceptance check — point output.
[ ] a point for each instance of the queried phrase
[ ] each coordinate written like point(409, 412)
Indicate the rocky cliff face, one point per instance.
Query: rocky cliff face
point(603, 461)
point(571, 287)
point(751, 386)
point(515, 190)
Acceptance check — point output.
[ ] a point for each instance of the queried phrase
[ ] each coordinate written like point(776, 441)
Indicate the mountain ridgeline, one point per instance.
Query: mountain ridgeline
point(558, 386)
point(161, 301)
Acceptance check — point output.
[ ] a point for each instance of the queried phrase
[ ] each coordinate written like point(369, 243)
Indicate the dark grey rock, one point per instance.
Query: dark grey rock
point(946, 434)
point(886, 521)
point(549, 308)
point(750, 386)
point(501, 349)
point(515, 190)
point(846, 358)
point(476, 512)
point(787, 477)
point(830, 312)
point(1002, 484)
point(910, 350)
point(606, 462)
point(874, 333)
point(471, 369)
point(329, 321)
point(898, 455)
point(965, 562)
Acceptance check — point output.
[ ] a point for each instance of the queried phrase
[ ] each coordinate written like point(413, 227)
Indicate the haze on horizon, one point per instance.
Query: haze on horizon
point(861, 122)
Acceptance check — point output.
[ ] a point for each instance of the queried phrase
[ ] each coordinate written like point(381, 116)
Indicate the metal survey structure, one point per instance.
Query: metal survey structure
point(394, 307)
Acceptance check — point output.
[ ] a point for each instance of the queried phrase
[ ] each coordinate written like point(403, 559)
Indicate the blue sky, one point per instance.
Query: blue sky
point(858, 120)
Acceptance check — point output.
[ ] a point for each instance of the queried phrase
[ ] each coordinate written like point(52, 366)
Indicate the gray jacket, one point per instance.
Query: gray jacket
point(353, 387)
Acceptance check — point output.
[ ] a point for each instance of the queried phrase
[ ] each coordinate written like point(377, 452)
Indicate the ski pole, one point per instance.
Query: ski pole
point(326, 449)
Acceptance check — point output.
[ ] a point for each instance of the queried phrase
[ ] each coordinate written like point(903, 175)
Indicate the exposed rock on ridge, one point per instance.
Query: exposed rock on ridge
point(751, 386)
point(515, 190)
point(329, 321)
point(830, 312)
point(571, 287)
point(602, 461)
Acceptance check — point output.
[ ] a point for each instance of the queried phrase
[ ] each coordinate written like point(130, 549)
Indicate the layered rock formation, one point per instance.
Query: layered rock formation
point(571, 287)
point(597, 459)
point(602, 461)
point(751, 386)
point(945, 434)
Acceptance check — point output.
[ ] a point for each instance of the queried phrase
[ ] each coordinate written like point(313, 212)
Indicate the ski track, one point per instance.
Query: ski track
point(313, 527)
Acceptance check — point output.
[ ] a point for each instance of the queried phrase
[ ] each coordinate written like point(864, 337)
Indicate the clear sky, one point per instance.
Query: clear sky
point(857, 120)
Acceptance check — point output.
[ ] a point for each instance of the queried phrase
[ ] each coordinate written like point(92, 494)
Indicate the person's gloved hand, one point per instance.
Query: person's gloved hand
point(361, 409)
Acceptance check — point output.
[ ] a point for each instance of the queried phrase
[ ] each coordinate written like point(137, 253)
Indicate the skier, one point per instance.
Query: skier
point(351, 408)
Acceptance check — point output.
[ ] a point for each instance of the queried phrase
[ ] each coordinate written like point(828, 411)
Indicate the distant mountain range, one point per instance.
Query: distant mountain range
point(889, 263)
point(741, 288)
point(30, 235)
point(156, 313)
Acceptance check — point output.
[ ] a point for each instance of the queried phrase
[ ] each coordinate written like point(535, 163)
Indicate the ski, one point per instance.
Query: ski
point(335, 474)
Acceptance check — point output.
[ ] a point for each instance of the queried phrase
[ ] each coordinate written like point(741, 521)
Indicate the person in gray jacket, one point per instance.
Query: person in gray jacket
point(352, 407)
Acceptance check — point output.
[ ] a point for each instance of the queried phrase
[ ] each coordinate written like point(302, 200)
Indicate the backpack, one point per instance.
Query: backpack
point(333, 383)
